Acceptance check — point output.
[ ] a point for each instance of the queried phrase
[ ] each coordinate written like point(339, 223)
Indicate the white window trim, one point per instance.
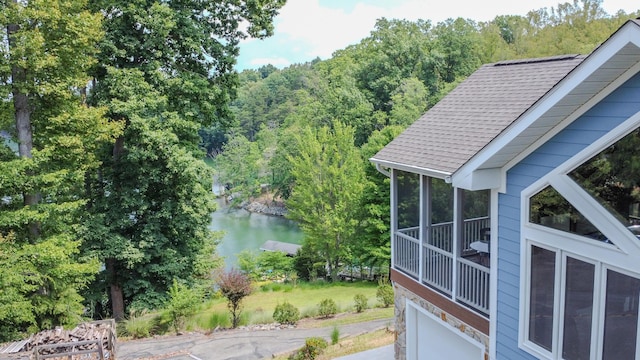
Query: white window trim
point(624, 254)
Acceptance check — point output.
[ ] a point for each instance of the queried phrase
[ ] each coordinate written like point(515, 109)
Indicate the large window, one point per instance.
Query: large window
point(582, 284)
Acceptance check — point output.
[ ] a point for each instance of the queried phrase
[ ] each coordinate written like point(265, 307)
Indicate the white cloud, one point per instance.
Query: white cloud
point(306, 29)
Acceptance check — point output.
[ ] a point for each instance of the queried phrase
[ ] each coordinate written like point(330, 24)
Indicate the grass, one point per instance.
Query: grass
point(259, 306)
point(358, 343)
point(355, 344)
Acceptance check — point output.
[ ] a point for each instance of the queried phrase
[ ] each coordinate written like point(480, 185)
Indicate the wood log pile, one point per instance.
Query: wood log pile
point(92, 340)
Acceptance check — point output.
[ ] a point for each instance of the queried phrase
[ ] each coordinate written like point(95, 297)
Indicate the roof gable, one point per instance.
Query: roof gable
point(473, 114)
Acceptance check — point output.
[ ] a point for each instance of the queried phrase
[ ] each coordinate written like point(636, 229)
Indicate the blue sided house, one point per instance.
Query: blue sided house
point(515, 218)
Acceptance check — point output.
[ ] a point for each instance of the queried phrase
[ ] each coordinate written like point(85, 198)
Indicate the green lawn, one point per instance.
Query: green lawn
point(259, 306)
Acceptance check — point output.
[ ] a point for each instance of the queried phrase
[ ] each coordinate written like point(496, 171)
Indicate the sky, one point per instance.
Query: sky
point(306, 29)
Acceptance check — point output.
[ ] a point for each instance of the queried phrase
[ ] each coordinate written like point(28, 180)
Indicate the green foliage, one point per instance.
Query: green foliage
point(183, 302)
point(330, 182)
point(360, 302)
point(327, 308)
point(286, 313)
point(234, 286)
point(385, 295)
point(335, 335)
point(46, 49)
point(267, 265)
point(308, 264)
point(140, 325)
point(313, 347)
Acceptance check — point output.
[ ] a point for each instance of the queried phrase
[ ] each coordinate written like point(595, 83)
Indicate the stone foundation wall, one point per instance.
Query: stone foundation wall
point(401, 294)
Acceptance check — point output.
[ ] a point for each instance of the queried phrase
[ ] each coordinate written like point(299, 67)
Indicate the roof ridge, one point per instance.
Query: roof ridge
point(537, 60)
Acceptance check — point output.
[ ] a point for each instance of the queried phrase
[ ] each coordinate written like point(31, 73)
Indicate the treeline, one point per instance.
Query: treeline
point(308, 130)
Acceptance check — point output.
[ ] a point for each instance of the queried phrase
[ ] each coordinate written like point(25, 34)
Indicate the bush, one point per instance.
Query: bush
point(234, 286)
point(384, 293)
point(183, 302)
point(139, 325)
point(327, 308)
point(335, 335)
point(361, 302)
point(312, 348)
point(286, 313)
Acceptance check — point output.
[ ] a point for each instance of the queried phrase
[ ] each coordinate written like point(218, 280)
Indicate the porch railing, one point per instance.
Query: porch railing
point(438, 266)
point(472, 280)
point(473, 285)
point(406, 254)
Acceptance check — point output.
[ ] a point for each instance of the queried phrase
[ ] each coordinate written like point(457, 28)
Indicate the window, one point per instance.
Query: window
point(548, 208)
point(582, 280)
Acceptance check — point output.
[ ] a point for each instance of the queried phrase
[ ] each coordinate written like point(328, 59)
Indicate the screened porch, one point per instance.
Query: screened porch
point(441, 238)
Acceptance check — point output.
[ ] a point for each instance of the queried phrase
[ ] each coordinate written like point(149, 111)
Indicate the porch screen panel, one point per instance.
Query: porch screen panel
point(543, 267)
point(441, 215)
point(621, 317)
point(408, 190)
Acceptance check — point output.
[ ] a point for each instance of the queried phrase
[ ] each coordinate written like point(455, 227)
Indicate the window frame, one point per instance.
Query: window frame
point(605, 257)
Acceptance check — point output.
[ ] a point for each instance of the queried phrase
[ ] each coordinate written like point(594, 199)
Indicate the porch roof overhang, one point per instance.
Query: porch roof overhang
point(598, 75)
point(409, 168)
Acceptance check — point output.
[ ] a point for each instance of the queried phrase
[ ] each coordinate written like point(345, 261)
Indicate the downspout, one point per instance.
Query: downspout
point(383, 171)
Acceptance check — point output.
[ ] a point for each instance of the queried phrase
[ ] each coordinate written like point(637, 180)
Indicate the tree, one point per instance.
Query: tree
point(150, 204)
point(329, 181)
point(374, 241)
point(234, 286)
point(165, 70)
point(46, 50)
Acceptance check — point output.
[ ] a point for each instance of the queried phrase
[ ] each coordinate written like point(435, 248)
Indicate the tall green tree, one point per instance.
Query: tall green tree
point(329, 181)
point(46, 50)
point(165, 70)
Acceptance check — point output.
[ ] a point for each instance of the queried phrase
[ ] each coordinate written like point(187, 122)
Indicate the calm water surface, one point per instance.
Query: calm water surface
point(245, 230)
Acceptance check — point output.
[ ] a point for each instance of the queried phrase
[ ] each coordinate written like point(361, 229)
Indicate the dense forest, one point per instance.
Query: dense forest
point(303, 129)
point(109, 108)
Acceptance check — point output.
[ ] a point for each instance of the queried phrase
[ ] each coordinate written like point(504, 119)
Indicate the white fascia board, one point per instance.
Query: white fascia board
point(413, 169)
point(628, 33)
point(481, 179)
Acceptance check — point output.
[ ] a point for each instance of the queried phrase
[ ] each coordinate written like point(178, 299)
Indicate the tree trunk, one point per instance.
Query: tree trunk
point(23, 119)
point(115, 291)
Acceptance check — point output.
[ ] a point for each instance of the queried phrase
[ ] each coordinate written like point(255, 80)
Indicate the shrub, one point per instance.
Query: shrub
point(335, 335)
point(312, 348)
point(360, 302)
point(327, 308)
point(139, 325)
point(234, 286)
point(286, 313)
point(384, 293)
point(183, 302)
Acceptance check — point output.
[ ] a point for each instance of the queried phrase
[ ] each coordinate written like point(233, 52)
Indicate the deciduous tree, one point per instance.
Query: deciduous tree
point(329, 181)
point(46, 50)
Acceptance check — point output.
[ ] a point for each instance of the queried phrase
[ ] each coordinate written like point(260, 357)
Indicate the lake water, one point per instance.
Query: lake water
point(245, 230)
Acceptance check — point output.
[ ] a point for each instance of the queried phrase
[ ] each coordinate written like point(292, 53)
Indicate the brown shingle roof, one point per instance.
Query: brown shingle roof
point(474, 113)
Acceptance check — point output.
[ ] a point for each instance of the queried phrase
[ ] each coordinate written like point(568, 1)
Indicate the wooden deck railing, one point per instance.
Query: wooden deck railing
point(472, 281)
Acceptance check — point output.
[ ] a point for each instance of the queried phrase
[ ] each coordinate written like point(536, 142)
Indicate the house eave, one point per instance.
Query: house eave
point(412, 169)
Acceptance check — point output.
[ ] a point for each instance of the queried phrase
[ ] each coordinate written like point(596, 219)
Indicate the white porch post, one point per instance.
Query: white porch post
point(458, 225)
point(393, 197)
point(425, 219)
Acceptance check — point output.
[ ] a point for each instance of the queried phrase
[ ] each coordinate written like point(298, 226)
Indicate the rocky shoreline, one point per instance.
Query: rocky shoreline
point(273, 208)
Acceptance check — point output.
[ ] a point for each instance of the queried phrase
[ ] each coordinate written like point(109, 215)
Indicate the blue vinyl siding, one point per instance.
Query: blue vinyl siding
point(608, 114)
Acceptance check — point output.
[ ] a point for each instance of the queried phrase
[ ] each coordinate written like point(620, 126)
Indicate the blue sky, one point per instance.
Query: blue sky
point(306, 29)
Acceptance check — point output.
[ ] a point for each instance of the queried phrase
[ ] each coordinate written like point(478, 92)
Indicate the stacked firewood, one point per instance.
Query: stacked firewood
point(95, 340)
